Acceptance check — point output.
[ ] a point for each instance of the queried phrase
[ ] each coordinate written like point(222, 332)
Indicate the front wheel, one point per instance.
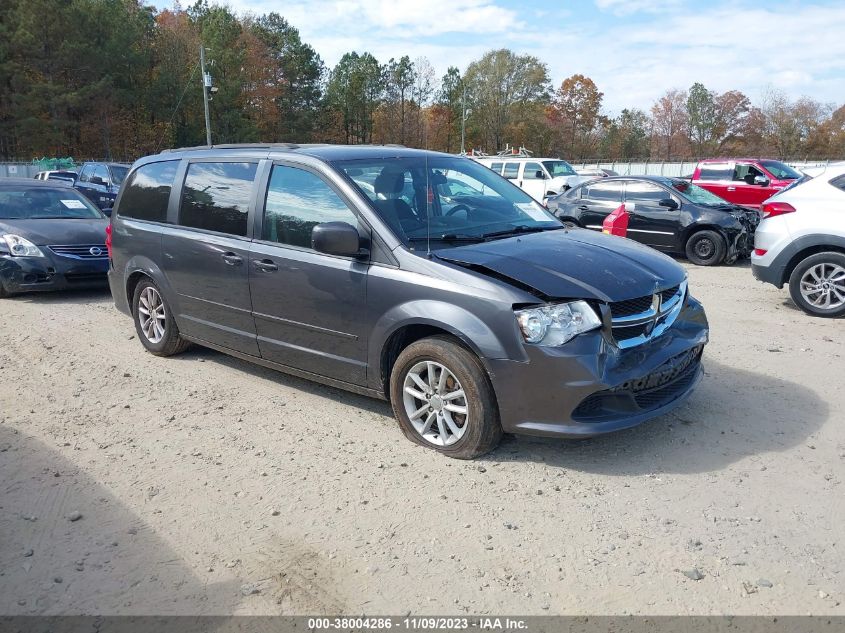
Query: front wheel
point(817, 284)
point(706, 248)
point(154, 322)
point(443, 400)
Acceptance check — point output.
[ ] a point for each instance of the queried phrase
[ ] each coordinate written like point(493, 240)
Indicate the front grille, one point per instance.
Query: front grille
point(81, 251)
point(635, 321)
point(85, 278)
point(666, 383)
point(666, 295)
point(630, 306)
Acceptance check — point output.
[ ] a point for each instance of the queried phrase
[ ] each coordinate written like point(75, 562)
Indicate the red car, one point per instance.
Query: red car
point(744, 181)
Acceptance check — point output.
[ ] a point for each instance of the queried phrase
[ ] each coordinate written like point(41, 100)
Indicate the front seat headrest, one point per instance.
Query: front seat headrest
point(389, 181)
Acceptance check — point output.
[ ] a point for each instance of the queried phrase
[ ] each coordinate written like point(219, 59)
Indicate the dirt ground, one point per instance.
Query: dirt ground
point(207, 485)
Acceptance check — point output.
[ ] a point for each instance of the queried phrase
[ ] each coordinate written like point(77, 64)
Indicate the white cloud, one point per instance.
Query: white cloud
point(627, 7)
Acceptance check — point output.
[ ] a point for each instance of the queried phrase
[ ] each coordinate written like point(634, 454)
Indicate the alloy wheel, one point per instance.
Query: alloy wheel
point(151, 314)
point(435, 403)
point(823, 286)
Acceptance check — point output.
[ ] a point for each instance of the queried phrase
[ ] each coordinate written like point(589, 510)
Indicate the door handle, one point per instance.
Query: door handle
point(232, 259)
point(731, 188)
point(583, 207)
point(266, 265)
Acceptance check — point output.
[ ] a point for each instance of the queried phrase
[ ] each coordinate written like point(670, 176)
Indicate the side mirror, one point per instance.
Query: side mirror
point(96, 180)
point(336, 238)
point(539, 175)
point(668, 203)
point(761, 180)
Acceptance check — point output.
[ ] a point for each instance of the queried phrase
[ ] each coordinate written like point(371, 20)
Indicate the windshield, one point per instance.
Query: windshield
point(41, 203)
point(559, 168)
point(118, 173)
point(779, 170)
point(446, 199)
point(697, 194)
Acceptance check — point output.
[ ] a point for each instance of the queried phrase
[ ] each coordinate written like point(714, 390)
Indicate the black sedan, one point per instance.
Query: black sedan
point(51, 238)
point(669, 214)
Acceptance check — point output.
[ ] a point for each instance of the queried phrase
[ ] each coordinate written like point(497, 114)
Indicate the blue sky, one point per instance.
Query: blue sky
point(633, 49)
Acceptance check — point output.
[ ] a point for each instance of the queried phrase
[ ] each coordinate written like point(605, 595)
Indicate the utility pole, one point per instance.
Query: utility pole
point(206, 85)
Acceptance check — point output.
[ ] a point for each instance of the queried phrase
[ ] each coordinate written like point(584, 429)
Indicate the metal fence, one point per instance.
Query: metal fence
point(666, 168)
point(18, 170)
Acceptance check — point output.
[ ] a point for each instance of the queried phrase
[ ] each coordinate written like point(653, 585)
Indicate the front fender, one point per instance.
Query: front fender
point(458, 321)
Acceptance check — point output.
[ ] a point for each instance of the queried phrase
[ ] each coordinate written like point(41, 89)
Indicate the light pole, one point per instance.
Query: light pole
point(206, 85)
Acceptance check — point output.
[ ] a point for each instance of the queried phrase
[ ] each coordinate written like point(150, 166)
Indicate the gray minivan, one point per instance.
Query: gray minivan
point(408, 275)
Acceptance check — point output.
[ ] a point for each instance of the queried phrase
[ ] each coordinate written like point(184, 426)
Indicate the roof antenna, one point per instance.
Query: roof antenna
point(429, 198)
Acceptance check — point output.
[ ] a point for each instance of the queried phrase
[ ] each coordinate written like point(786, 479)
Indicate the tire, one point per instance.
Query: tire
point(817, 279)
point(574, 223)
point(706, 248)
point(164, 338)
point(478, 430)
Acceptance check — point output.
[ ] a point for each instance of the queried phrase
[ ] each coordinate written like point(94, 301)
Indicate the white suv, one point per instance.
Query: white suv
point(801, 241)
point(538, 177)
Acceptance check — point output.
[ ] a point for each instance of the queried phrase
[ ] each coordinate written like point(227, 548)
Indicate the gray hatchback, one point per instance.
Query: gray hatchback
point(413, 276)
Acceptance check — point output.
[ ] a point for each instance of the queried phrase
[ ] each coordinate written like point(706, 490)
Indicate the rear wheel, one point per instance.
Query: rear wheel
point(706, 248)
point(443, 400)
point(154, 322)
point(817, 284)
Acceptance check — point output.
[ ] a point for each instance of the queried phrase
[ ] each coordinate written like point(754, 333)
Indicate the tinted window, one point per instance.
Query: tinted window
point(779, 170)
point(101, 172)
point(530, 171)
point(216, 196)
point(839, 182)
point(644, 192)
point(118, 174)
point(497, 167)
point(604, 191)
point(715, 171)
point(297, 201)
point(511, 170)
point(148, 191)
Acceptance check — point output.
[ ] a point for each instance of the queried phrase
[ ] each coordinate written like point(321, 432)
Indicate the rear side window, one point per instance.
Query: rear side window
point(530, 171)
point(839, 182)
point(715, 171)
point(146, 195)
point(511, 170)
point(297, 201)
point(216, 197)
point(497, 167)
point(604, 191)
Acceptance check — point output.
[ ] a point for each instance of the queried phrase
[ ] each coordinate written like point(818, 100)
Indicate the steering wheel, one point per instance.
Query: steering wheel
point(456, 208)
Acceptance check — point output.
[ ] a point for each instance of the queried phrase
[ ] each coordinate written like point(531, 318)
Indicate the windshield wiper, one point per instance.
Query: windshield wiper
point(448, 237)
point(521, 228)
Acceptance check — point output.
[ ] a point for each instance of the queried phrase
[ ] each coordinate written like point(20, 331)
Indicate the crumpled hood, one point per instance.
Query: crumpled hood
point(573, 264)
point(60, 231)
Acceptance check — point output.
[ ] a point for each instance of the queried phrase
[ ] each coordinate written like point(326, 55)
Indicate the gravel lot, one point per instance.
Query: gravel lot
point(207, 485)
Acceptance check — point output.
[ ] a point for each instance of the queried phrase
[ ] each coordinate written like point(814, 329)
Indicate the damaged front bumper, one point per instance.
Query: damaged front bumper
point(51, 272)
point(590, 386)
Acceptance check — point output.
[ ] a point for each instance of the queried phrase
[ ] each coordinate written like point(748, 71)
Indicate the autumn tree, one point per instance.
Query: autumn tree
point(670, 119)
point(354, 91)
point(496, 84)
point(576, 114)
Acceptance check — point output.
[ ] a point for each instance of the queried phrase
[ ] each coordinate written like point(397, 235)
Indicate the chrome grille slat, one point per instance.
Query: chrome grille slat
point(657, 312)
point(80, 251)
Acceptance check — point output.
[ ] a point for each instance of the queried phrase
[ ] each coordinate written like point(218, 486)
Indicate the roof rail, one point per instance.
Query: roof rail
point(236, 146)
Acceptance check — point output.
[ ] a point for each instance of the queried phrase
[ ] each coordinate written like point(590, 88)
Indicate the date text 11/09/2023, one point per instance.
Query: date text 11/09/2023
point(431, 623)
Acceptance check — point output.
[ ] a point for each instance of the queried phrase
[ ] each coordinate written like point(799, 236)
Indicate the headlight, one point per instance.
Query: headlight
point(20, 247)
point(556, 324)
